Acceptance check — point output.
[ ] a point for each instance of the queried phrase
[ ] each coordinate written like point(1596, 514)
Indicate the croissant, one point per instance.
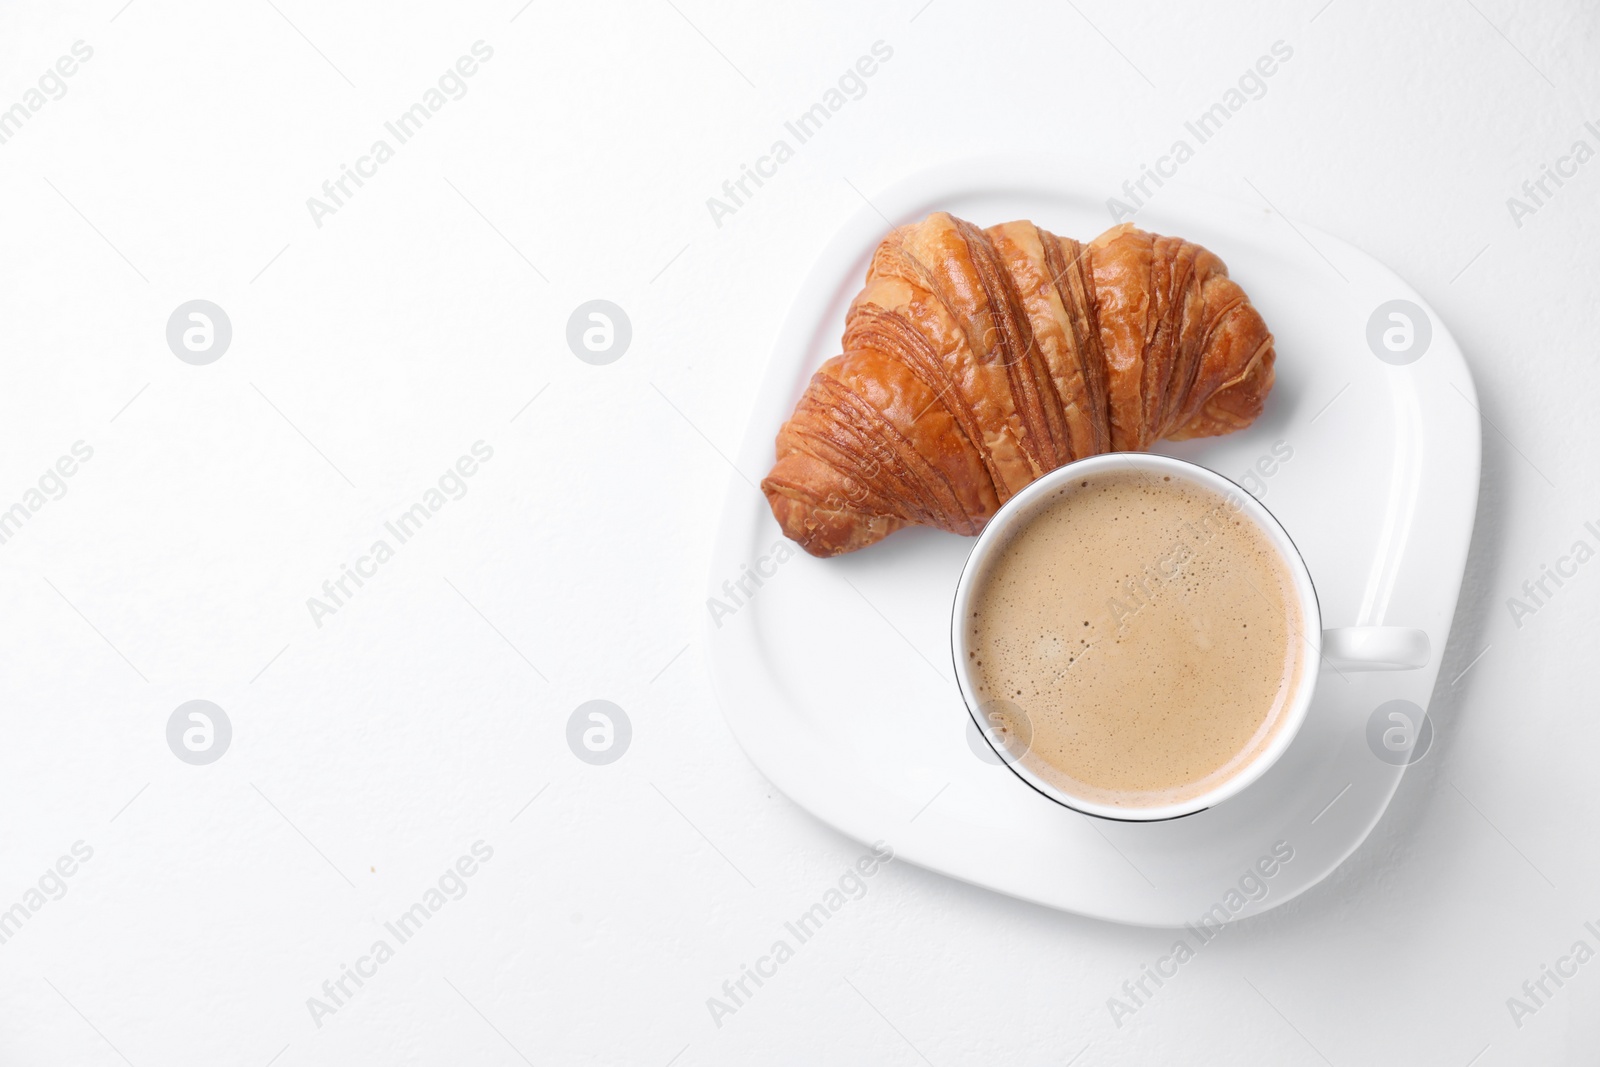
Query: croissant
point(977, 360)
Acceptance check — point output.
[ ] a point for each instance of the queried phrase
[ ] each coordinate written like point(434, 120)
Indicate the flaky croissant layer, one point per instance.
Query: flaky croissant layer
point(977, 360)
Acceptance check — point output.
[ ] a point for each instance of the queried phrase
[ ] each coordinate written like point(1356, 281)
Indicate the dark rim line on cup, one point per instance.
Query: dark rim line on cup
point(1004, 757)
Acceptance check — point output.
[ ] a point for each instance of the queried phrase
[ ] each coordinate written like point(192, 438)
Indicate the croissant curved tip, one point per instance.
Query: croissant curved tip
point(824, 531)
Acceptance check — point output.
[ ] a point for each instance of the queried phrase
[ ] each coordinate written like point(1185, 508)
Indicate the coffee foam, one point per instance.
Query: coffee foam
point(1142, 633)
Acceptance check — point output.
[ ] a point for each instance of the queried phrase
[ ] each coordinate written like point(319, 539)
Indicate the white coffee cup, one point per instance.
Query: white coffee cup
point(1350, 648)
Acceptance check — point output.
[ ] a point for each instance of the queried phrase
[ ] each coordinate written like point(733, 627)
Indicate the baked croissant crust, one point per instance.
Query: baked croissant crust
point(977, 360)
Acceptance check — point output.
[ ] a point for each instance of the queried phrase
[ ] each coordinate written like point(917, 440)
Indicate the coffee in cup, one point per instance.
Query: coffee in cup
point(1148, 632)
point(1138, 638)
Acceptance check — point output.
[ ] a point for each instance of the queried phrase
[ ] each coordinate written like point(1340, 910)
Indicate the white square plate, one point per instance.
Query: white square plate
point(835, 674)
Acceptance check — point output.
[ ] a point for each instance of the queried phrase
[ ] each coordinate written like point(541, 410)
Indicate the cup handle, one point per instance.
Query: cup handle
point(1375, 648)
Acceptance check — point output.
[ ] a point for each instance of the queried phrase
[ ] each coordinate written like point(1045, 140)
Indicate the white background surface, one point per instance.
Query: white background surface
point(372, 352)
